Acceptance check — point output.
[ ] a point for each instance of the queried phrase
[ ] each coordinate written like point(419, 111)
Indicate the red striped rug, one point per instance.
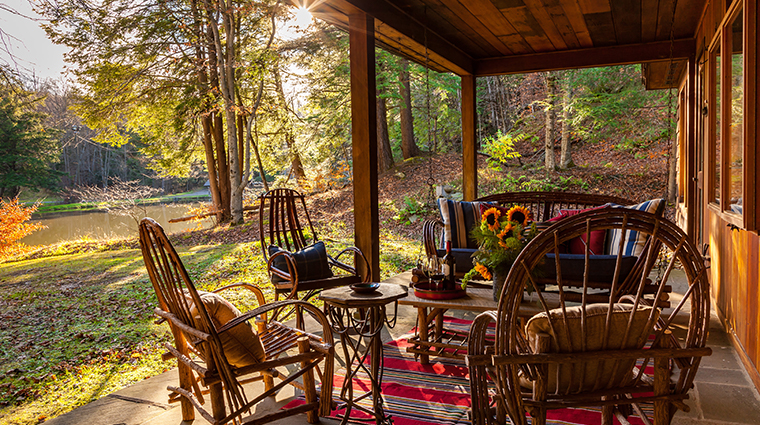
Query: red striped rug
point(437, 393)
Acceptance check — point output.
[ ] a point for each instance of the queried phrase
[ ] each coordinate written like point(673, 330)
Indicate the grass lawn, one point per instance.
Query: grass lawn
point(78, 326)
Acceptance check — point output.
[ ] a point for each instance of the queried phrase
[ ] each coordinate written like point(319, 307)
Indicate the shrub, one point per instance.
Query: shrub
point(14, 227)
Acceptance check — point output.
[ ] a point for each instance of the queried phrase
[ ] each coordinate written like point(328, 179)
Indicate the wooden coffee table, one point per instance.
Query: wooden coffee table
point(432, 339)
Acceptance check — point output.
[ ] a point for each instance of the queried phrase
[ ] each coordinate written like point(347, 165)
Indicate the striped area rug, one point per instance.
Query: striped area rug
point(437, 393)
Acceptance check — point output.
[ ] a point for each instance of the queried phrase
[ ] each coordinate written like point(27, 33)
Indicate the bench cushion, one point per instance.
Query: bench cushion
point(634, 241)
point(459, 218)
point(601, 267)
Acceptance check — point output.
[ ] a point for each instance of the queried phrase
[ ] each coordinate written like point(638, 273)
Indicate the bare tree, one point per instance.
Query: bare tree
point(551, 117)
point(124, 198)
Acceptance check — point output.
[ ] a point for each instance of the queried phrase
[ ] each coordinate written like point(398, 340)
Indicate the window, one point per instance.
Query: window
point(715, 121)
point(735, 148)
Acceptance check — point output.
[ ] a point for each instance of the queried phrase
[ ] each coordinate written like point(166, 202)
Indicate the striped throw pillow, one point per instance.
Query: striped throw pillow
point(459, 218)
point(634, 241)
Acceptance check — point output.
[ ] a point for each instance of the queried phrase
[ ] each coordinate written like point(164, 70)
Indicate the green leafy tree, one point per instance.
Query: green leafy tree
point(27, 149)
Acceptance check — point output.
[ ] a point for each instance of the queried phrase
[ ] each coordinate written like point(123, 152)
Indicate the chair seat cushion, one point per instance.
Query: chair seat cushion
point(241, 344)
point(311, 262)
point(601, 267)
point(578, 334)
point(462, 258)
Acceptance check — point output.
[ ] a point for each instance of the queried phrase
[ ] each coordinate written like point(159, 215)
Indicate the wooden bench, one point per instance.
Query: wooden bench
point(544, 206)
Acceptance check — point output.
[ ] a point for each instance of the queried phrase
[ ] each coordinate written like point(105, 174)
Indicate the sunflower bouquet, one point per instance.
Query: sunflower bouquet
point(501, 236)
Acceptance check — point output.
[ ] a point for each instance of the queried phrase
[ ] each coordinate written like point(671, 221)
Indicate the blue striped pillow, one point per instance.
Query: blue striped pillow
point(634, 241)
point(459, 218)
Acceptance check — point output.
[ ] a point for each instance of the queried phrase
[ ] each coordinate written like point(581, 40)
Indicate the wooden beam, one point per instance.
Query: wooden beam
point(409, 26)
point(752, 114)
point(469, 151)
point(586, 58)
point(361, 33)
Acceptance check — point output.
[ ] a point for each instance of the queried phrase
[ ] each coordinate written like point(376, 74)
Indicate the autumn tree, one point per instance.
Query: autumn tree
point(14, 226)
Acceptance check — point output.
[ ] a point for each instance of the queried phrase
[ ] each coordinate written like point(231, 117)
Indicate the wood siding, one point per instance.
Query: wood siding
point(735, 251)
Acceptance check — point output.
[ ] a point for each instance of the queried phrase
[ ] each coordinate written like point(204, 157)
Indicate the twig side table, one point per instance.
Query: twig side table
point(362, 315)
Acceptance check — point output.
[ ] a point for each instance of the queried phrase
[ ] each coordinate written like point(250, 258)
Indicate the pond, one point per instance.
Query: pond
point(104, 225)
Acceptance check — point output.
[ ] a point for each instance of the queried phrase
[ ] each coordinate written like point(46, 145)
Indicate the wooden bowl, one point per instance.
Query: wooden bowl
point(365, 288)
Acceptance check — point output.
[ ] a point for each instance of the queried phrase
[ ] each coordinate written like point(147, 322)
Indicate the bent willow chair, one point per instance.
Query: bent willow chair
point(296, 259)
point(216, 347)
point(620, 354)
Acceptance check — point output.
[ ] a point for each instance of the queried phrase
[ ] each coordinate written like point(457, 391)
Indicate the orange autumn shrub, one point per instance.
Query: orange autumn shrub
point(14, 226)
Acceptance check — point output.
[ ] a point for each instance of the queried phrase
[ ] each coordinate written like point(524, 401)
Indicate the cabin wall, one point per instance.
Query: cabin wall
point(733, 241)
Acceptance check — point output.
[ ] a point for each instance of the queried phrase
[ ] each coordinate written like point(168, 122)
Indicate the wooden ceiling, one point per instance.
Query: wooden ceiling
point(490, 37)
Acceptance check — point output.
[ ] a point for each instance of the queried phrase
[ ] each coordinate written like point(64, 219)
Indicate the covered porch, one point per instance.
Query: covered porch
point(723, 391)
point(679, 43)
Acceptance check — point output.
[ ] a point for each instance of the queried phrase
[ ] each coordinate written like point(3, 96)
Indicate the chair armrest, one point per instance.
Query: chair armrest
point(251, 287)
point(430, 230)
point(335, 262)
point(278, 306)
point(291, 275)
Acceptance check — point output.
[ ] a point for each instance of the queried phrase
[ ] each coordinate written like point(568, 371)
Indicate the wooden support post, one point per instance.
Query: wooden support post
point(261, 329)
point(186, 379)
point(309, 388)
point(469, 148)
point(662, 384)
point(361, 34)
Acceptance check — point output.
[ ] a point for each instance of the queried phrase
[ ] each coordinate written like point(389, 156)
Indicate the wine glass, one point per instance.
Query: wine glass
point(435, 272)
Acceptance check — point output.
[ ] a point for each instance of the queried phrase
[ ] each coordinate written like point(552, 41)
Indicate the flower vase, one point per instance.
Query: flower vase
point(499, 277)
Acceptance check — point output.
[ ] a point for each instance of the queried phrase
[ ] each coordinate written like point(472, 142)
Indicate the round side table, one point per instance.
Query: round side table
point(359, 318)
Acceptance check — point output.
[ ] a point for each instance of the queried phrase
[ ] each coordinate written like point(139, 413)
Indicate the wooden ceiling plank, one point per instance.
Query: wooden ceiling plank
point(575, 16)
point(594, 6)
point(475, 36)
point(664, 19)
point(473, 22)
point(649, 10)
point(626, 15)
point(601, 28)
point(489, 15)
point(557, 18)
point(586, 58)
point(410, 27)
point(531, 30)
point(688, 16)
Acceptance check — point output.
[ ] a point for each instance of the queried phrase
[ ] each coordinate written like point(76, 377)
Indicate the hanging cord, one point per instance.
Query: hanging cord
point(431, 179)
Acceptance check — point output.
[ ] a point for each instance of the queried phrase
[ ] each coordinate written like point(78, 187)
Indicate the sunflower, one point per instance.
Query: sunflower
point(483, 270)
point(519, 214)
point(504, 235)
point(491, 218)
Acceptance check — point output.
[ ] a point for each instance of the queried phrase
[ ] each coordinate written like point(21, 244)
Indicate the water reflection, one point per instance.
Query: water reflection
point(102, 225)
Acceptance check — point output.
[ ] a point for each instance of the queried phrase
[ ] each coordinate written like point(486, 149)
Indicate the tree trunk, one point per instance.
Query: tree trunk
point(216, 127)
point(566, 154)
point(384, 152)
point(408, 146)
point(550, 114)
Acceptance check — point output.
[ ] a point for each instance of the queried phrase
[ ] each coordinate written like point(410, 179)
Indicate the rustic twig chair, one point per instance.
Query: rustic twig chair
point(208, 344)
point(617, 355)
point(285, 230)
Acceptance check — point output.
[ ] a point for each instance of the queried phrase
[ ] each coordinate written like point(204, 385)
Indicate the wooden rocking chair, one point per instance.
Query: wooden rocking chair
point(294, 265)
point(216, 347)
point(617, 354)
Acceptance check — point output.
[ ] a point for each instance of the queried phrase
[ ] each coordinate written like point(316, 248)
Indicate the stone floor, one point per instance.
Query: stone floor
point(723, 393)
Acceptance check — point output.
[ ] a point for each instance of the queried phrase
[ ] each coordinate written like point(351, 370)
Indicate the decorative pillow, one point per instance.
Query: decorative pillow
point(311, 262)
point(601, 267)
point(241, 344)
point(578, 245)
point(634, 241)
point(459, 218)
point(574, 338)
